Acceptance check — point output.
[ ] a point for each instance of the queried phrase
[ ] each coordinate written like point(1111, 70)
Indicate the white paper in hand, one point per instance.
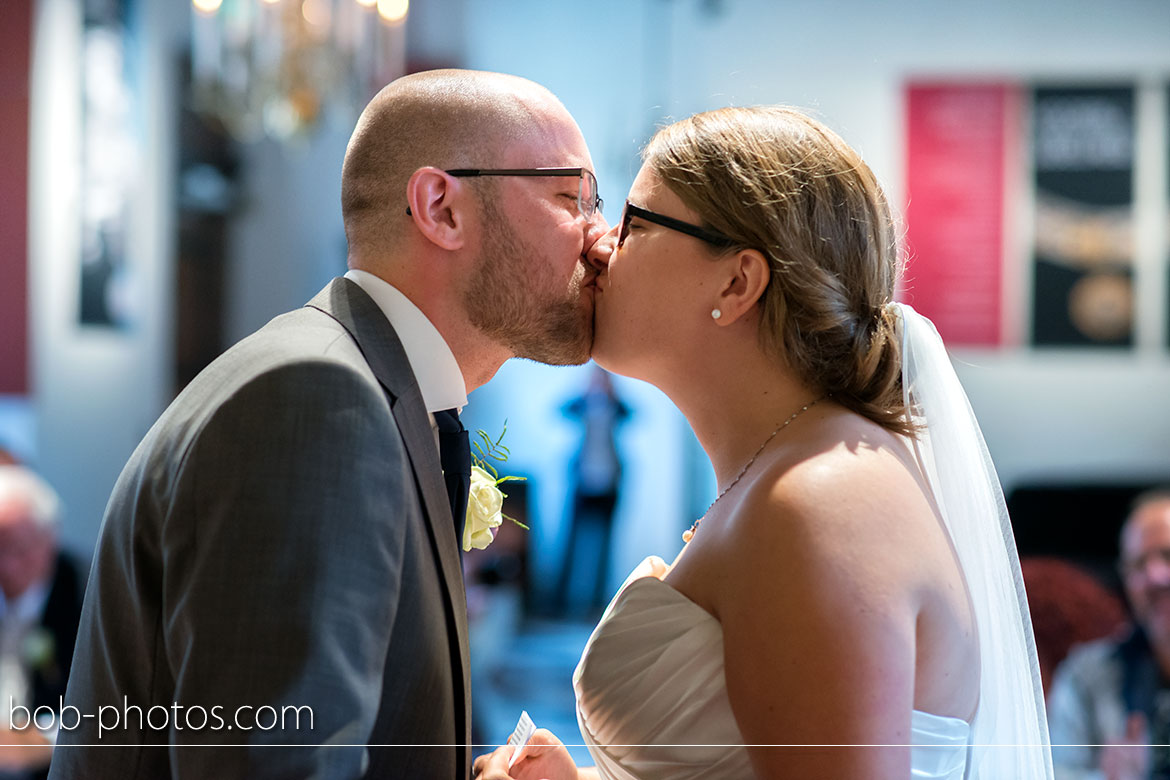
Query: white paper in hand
point(523, 732)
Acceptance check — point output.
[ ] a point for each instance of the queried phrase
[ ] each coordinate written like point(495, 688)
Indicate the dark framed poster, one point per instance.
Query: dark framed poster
point(1083, 143)
point(111, 130)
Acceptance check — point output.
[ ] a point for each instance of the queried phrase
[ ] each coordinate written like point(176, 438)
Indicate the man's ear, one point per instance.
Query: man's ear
point(436, 206)
point(748, 275)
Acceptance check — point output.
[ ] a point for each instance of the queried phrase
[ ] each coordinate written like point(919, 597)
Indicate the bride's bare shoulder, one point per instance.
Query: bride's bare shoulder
point(817, 594)
point(852, 490)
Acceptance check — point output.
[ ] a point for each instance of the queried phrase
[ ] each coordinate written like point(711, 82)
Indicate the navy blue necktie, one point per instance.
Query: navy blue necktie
point(455, 458)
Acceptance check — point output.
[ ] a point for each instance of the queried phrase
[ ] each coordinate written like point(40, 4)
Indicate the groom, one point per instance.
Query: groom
point(279, 562)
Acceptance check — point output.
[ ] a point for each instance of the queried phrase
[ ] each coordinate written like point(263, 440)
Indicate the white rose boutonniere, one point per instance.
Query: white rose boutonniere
point(485, 504)
point(484, 510)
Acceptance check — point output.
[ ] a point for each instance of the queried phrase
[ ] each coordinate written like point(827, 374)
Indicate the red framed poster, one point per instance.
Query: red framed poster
point(14, 96)
point(958, 142)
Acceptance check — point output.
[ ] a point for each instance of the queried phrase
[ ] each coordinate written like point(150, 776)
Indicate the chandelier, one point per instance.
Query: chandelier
point(277, 68)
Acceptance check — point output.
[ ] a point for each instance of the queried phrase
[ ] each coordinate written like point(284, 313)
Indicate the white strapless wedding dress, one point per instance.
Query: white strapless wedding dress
point(652, 700)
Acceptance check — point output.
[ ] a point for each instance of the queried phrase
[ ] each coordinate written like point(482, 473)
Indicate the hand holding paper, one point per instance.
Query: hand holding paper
point(535, 753)
point(520, 736)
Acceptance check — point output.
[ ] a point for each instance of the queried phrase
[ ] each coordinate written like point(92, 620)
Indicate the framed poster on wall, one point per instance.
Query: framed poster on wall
point(1083, 141)
point(109, 162)
point(960, 140)
point(15, 72)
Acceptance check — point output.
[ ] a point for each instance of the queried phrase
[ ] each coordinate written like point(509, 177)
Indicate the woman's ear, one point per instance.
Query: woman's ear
point(436, 206)
point(748, 277)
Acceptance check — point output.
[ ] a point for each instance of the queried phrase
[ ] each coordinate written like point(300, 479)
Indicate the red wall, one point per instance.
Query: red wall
point(15, 47)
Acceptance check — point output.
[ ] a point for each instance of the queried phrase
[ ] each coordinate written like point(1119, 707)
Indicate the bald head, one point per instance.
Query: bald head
point(1151, 507)
point(441, 118)
point(29, 511)
point(1145, 564)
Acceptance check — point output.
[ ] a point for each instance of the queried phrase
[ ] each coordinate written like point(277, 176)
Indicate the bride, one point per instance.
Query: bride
point(850, 606)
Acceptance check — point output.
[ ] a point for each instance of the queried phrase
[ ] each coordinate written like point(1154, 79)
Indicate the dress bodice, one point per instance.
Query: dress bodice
point(652, 698)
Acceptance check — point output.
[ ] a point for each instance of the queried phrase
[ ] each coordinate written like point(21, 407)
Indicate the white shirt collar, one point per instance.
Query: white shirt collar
point(438, 374)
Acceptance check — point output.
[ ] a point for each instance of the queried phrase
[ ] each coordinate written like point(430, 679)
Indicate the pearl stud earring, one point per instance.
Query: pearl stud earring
point(716, 314)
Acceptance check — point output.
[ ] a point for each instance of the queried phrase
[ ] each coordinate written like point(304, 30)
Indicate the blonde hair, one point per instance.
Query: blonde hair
point(773, 179)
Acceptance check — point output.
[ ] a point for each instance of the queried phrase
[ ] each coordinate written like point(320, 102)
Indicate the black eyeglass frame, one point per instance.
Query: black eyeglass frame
point(584, 209)
point(629, 211)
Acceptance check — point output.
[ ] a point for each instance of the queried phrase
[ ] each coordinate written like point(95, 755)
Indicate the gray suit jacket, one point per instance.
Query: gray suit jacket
point(280, 539)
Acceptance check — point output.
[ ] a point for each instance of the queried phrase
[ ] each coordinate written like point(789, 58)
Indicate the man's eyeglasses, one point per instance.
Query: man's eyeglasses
point(588, 201)
point(630, 211)
point(1141, 565)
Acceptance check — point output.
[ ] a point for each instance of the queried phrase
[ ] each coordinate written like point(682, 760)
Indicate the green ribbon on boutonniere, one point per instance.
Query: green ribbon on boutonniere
point(486, 501)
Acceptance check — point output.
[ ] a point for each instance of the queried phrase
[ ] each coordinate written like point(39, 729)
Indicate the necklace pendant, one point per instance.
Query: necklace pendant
point(688, 534)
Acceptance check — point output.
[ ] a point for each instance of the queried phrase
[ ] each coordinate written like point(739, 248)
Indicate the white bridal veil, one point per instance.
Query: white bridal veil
point(1009, 734)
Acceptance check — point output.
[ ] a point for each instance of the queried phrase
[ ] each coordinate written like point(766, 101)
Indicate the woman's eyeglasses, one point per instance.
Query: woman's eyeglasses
point(630, 211)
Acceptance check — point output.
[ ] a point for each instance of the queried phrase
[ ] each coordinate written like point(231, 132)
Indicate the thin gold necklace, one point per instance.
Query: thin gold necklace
point(690, 532)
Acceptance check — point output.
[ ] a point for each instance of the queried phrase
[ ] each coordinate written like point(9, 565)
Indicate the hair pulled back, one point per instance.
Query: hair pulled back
point(780, 182)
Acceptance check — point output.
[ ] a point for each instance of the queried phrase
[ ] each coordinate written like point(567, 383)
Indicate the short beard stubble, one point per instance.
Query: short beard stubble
point(503, 304)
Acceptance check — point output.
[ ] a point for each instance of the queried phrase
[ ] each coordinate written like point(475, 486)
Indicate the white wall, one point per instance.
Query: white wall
point(287, 238)
point(96, 391)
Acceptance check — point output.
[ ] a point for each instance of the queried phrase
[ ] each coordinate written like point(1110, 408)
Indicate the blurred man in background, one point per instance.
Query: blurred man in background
point(596, 473)
point(40, 603)
point(1110, 700)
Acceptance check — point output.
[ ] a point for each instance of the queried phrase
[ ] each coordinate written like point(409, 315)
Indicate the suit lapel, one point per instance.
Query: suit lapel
point(347, 303)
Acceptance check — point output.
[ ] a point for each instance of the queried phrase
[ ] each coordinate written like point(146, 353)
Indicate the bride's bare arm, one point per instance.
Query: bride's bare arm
point(819, 629)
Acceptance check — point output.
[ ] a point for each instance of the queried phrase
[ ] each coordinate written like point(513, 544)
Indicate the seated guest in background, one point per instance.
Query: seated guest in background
point(40, 603)
point(1110, 700)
